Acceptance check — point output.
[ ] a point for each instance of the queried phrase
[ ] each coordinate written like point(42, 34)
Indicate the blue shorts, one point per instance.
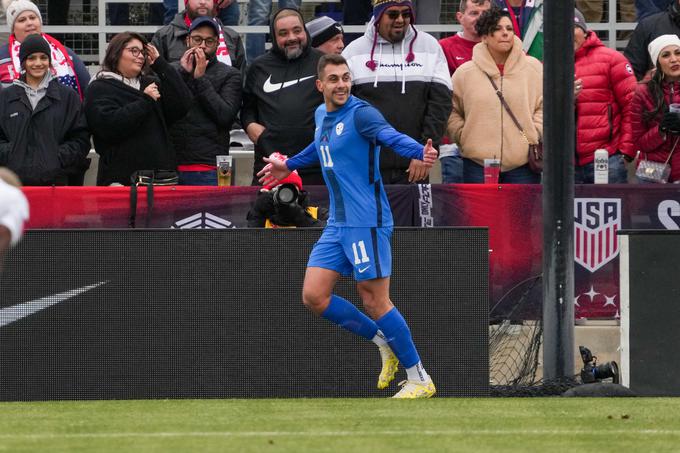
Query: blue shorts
point(364, 251)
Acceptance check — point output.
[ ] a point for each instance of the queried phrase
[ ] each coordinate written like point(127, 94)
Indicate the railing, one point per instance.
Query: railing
point(102, 30)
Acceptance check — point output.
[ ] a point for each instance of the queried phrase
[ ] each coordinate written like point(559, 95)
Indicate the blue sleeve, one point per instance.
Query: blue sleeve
point(372, 126)
point(304, 158)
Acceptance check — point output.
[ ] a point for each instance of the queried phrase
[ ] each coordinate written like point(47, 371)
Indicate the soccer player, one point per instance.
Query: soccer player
point(349, 134)
point(13, 211)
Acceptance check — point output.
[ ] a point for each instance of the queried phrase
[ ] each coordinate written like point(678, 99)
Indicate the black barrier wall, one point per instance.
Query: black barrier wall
point(649, 271)
point(217, 313)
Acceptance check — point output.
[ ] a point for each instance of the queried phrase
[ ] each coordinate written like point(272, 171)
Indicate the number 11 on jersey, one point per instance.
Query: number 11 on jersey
point(326, 155)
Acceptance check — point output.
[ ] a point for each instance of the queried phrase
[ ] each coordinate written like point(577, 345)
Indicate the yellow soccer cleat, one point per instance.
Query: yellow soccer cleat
point(415, 389)
point(390, 363)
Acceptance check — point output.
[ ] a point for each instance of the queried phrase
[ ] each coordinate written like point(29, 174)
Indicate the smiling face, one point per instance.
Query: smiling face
point(501, 39)
point(394, 23)
point(335, 83)
point(669, 62)
point(131, 59)
point(27, 23)
point(290, 36)
point(36, 66)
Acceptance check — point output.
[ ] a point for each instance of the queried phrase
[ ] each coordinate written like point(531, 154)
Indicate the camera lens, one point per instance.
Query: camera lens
point(286, 194)
point(606, 371)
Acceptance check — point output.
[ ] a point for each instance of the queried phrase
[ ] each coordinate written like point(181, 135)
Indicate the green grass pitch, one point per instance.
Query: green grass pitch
point(345, 425)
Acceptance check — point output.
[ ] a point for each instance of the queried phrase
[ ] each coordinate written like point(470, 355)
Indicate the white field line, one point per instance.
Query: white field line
point(444, 432)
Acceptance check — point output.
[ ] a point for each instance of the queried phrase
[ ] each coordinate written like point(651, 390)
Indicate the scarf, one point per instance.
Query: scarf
point(62, 66)
point(135, 83)
point(222, 52)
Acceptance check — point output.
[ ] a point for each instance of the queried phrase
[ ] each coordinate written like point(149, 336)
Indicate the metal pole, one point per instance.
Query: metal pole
point(558, 189)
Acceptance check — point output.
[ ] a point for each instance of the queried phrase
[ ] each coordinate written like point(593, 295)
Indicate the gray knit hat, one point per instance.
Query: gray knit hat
point(322, 29)
point(580, 21)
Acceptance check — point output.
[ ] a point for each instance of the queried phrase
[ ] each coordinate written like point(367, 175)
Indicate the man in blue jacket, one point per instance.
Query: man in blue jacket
point(347, 141)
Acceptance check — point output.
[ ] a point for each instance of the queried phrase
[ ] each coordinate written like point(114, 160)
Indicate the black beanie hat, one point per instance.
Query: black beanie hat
point(34, 44)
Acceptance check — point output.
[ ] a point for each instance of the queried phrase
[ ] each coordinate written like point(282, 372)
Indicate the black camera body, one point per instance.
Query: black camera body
point(592, 372)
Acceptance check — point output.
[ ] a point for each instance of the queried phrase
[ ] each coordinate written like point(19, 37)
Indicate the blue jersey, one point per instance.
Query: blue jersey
point(347, 145)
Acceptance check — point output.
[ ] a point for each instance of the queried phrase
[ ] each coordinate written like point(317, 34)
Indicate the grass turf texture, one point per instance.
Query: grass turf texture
point(479, 425)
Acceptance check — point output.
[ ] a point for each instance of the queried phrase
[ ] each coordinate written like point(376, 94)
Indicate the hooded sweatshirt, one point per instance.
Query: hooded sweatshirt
point(281, 95)
point(410, 85)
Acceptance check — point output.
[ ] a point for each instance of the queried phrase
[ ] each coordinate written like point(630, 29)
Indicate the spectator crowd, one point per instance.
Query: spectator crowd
point(168, 104)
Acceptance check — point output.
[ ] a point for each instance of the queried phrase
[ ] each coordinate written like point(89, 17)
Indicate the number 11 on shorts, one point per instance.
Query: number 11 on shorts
point(360, 255)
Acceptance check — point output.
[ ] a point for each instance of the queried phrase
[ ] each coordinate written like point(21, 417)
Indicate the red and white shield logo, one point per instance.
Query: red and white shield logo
point(596, 221)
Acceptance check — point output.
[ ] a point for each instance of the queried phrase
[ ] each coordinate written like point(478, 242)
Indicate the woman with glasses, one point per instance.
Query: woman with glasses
point(24, 19)
point(480, 123)
point(130, 108)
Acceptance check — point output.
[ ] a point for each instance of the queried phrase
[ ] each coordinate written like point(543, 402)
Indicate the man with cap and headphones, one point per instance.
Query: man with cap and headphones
point(403, 73)
point(203, 134)
point(604, 88)
point(43, 133)
point(327, 35)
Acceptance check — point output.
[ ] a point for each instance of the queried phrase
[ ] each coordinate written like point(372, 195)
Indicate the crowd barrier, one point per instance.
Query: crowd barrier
point(118, 314)
point(513, 214)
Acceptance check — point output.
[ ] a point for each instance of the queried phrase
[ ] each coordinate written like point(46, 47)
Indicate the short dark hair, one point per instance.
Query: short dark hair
point(464, 4)
point(329, 59)
point(116, 47)
point(488, 20)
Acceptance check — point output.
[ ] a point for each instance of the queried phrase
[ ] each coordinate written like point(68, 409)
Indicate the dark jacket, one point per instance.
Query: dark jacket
point(287, 112)
point(647, 30)
point(7, 68)
point(170, 40)
point(130, 129)
point(40, 145)
point(204, 132)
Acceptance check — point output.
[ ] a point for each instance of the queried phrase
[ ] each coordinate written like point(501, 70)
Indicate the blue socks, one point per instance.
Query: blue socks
point(398, 336)
point(391, 324)
point(347, 316)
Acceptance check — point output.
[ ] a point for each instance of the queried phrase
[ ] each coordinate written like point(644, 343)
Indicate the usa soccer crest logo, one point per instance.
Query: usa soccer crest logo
point(596, 221)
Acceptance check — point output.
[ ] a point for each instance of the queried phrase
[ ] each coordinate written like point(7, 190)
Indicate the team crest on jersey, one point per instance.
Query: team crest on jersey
point(339, 128)
point(596, 221)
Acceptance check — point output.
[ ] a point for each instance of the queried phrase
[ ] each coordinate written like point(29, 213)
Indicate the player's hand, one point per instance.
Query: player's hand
point(418, 170)
point(275, 170)
point(429, 153)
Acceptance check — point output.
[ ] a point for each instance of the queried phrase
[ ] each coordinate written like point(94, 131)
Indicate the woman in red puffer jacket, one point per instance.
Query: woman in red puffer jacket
point(657, 130)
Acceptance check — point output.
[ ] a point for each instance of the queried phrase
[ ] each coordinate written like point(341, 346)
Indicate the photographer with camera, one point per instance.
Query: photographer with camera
point(203, 134)
point(285, 204)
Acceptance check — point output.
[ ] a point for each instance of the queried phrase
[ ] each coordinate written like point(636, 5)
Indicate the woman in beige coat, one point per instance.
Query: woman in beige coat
point(479, 123)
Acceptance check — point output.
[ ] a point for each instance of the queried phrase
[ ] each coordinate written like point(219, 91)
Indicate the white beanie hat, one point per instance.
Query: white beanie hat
point(15, 8)
point(655, 47)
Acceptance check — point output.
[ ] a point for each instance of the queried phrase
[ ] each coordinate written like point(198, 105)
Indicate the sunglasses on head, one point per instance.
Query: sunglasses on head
point(406, 14)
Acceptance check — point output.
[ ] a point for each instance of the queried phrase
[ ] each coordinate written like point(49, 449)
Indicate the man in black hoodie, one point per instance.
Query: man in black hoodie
point(647, 30)
point(280, 95)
